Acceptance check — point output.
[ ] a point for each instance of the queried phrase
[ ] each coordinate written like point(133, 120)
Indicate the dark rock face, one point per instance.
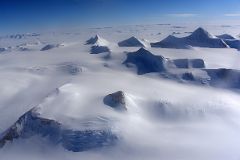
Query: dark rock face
point(92, 40)
point(131, 42)
point(49, 46)
point(224, 77)
point(31, 124)
point(230, 41)
point(145, 61)
point(188, 77)
point(28, 125)
point(116, 100)
point(226, 36)
point(96, 49)
point(86, 140)
point(2, 49)
point(233, 43)
point(189, 63)
point(199, 38)
point(197, 63)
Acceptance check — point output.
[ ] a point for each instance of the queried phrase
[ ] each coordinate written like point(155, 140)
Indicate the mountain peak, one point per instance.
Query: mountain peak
point(200, 32)
point(131, 42)
point(97, 40)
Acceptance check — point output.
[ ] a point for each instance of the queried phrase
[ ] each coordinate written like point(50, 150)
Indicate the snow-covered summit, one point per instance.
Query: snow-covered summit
point(97, 40)
point(99, 45)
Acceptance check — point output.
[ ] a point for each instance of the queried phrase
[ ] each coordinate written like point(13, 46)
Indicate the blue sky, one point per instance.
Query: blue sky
point(24, 15)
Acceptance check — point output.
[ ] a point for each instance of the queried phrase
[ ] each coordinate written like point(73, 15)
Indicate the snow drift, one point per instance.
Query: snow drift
point(199, 38)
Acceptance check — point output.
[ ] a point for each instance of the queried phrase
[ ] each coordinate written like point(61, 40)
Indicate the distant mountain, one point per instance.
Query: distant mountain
point(145, 61)
point(199, 38)
point(99, 45)
point(225, 36)
point(231, 41)
point(50, 46)
point(97, 40)
point(132, 42)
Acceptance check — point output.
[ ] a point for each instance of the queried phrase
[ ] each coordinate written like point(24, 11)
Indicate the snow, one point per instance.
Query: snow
point(172, 112)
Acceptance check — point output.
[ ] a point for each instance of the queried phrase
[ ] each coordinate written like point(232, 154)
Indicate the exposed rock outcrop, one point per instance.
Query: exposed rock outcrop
point(32, 124)
point(189, 63)
point(116, 100)
point(132, 42)
point(50, 46)
point(96, 49)
point(145, 61)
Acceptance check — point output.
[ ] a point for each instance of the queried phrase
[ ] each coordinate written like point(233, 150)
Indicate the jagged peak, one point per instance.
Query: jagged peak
point(200, 32)
point(97, 40)
point(132, 42)
point(144, 51)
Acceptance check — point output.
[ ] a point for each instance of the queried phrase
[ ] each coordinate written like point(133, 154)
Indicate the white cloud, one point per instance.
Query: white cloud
point(232, 15)
point(184, 15)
